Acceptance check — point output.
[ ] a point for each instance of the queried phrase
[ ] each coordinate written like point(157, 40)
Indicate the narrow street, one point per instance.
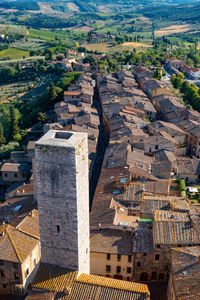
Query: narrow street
point(103, 141)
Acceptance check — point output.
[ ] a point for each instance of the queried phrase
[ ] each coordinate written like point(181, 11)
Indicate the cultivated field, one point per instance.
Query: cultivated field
point(45, 7)
point(13, 53)
point(73, 6)
point(101, 47)
point(46, 34)
point(30, 44)
point(173, 29)
point(136, 45)
point(82, 28)
point(109, 47)
point(26, 89)
point(13, 29)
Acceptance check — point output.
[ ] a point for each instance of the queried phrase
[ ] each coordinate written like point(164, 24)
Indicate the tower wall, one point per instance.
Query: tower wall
point(63, 199)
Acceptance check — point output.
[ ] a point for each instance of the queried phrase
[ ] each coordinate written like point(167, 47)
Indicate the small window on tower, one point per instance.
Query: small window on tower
point(58, 228)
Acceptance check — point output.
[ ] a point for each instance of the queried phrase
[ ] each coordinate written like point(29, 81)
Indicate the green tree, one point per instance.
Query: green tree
point(14, 124)
point(2, 138)
point(42, 117)
point(157, 74)
point(52, 92)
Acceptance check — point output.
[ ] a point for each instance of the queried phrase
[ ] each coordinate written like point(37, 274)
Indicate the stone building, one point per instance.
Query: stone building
point(19, 254)
point(63, 199)
point(111, 254)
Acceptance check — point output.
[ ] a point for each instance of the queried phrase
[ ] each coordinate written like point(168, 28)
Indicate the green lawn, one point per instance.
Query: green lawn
point(46, 34)
point(13, 53)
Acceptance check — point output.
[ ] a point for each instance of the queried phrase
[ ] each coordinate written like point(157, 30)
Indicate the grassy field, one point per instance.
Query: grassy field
point(13, 53)
point(46, 34)
point(109, 47)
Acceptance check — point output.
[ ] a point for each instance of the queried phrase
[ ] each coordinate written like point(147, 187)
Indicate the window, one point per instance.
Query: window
point(118, 269)
point(16, 275)
point(128, 270)
point(156, 147)
point(157, 256)
point(4, 285)
point(108, 256)
point(138, 264)
point(58, 228)
point(15, 174)
point(27, 272)
point(118, 257)
point(1, 262)
point(15, 265)
point(34, 262)
point(161, 276)
point(2, 273)
point(129, 258)
point(108, 268)
point(158, 246)
point(5, 174)
point(144, 254)
point(128, 279)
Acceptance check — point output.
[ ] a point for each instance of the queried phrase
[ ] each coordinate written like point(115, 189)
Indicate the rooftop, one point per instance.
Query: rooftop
point(82, 287)
point(112, 241)
point(15, 244)
point(174, 233)
point(186, 272)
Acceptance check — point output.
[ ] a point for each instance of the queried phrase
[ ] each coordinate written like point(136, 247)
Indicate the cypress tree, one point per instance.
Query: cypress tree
point(2, 138)
point(14, 128)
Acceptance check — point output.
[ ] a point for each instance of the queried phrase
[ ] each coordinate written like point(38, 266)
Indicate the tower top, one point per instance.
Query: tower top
point(60, 138)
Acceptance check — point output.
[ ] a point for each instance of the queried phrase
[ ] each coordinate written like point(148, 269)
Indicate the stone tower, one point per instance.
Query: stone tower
point(63, 199)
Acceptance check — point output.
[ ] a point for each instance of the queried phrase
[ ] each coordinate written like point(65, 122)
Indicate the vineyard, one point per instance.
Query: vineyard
point(13, 53)
point(12, 29)
point(29, 44)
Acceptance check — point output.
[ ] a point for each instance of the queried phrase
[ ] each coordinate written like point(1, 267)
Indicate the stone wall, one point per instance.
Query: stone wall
point(63, 199)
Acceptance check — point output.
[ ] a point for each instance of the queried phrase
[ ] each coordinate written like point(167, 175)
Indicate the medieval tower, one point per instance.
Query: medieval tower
point(63, 199)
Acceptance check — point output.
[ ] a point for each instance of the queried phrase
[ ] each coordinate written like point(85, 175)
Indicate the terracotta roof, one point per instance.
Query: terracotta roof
point(14, 167)
point(157, 126)
point(186, 273)
point(53, 278)
point(143, 241)
point(15, 245)
point(102, 217)
point(112, 241)
point(17, 205)
point(72, 93)
point(191, 126)
point(174, 233)
point(166, 215)
point(30, 224)
point(107, 288)
point(41, 296)
point(188, 166)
